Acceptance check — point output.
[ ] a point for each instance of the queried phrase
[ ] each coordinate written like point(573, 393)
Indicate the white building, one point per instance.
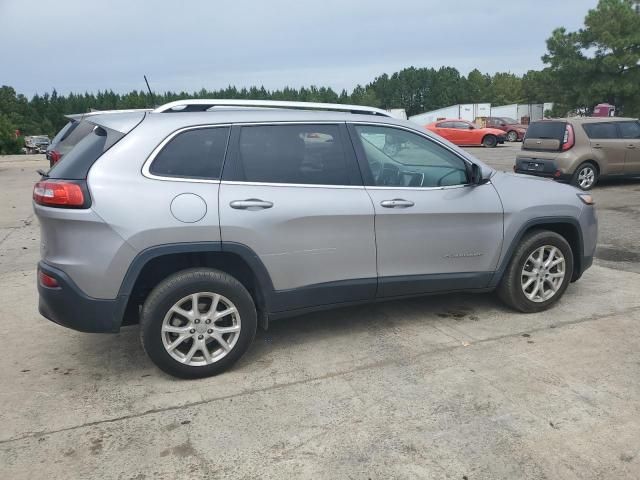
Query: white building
point(472, 112)
point(465, 111)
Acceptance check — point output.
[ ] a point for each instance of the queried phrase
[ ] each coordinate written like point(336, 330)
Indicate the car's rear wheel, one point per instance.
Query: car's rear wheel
point(538, 273)
point(512, 136)
point(490, 141)
point(585, 176)
point(197, 323)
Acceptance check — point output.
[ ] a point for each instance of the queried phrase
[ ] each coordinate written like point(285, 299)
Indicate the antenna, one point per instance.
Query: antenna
point(153, 100)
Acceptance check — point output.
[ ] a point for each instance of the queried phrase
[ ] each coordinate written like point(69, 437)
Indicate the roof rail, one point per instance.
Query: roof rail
point(202, 105)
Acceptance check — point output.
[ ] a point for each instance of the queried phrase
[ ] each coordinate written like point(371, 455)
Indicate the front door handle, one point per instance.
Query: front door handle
point(631, 146)
point(250, 204)
point(397, 203)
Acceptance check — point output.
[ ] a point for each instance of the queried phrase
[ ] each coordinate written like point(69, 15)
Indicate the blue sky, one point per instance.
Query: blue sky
point(81, 45)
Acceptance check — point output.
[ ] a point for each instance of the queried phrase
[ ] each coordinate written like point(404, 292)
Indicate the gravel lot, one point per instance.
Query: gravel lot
point(440, 387)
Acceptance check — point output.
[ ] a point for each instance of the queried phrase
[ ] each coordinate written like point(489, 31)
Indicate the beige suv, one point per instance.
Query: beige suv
point(581, 150)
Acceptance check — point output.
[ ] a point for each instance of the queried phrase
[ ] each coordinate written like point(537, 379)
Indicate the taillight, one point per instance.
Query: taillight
point(61, 193)
point(569, 139)
point(54, 157)
point(47, 280)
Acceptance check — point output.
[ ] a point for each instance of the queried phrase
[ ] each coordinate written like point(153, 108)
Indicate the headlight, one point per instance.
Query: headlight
point(586, 198)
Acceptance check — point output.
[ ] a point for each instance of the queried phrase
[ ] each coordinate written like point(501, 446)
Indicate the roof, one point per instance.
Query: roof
point(590, 119)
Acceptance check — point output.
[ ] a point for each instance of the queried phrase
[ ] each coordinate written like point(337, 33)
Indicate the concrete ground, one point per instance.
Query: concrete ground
point(451, 386)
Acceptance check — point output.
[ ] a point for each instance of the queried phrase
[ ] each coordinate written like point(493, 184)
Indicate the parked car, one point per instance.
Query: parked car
point(581, 150)
point(36, 144)
point(515, 130)
point(463, 133)
point(202, 224)
point(74, 131)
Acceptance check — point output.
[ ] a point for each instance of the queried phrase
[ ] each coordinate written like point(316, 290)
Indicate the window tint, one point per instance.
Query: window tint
point(629, 129)
point(546, 130)
point(79, 160)
point(306, 154)
point(195, 153)
point(445, 125)
point(461, 126)
point(601, 130)
point(400, 158)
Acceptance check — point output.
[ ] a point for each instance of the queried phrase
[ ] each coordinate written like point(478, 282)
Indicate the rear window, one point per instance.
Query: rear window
point(195, 153)
point(546, 130)
point(601, 131)
point(64, 132)
point(79, 160)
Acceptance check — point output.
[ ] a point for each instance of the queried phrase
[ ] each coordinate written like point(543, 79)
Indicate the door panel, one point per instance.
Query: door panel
point(455, 230)
point(610, 152)
point(630, 133)
point(433, 231)
point(632, 158)
point(309, 235)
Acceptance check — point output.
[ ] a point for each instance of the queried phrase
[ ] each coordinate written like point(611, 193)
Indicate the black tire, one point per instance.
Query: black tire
point(510, 288)
point(512, 136)
point(179, 285)
point(583, 172)
point(490, 141)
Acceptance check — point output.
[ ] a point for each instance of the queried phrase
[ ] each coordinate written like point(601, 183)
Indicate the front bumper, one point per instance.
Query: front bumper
point(540, 168)
point(68, 306)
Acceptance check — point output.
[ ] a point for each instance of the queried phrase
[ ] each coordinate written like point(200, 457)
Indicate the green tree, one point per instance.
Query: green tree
point(600, 62)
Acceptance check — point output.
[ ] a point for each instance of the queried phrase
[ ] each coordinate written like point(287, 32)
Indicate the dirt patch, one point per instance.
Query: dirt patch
point(615, 254)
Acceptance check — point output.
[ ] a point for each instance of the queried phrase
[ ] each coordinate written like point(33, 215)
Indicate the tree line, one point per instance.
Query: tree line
point(598, 63)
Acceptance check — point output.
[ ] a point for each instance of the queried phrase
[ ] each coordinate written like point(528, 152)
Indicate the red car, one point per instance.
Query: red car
point(515, 130)
point(466, 133)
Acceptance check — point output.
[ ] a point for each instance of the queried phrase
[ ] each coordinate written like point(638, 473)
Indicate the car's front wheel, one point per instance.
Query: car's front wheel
point(197, 323)
point(539, 272)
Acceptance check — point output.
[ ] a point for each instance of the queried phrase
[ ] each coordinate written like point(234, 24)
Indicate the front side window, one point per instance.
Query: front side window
point(301, 154)
point(601, 131)
point(462, 126)
point(399, 158)
point(630, 129)
point(197, 153)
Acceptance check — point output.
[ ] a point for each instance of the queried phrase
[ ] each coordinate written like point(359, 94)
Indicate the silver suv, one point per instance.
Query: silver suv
point(205, 218)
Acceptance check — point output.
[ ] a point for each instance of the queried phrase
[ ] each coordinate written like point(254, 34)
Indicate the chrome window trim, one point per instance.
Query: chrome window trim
point(297, 185)
point(146, 172)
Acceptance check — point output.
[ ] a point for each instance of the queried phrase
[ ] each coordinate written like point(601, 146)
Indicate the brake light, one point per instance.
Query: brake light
point(569, 138)
point(54, 157)
point(47, 280)
point(59, 193)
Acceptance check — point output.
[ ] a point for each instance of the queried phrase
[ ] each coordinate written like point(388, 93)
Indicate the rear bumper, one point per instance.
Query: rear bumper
point(68, 306)
point(540, 168)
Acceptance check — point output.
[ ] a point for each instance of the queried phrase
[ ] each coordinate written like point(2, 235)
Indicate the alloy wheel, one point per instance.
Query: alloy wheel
point(201, 328)
point(586, 177)
point(543, 273)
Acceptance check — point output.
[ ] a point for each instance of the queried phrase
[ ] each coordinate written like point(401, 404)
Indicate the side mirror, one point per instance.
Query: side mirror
point(503, 124)
point(476, 174)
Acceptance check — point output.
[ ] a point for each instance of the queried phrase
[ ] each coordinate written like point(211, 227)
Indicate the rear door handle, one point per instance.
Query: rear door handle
point(597, 145)
point(631, 146)
point(250, 204)
point(397, 203)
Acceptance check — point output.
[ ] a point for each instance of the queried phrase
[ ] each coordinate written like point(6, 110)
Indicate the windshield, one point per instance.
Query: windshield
point(509, 121)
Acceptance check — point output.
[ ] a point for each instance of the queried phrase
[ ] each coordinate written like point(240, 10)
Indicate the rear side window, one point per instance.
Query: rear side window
point(197, 153)
point(629, 129)
point(79, 160)
point(445, 125)
point(601, 131)
point(304, 154)
point(546, 130)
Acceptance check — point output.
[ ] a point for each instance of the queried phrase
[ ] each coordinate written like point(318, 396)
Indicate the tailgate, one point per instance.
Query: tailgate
point(545, 135)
